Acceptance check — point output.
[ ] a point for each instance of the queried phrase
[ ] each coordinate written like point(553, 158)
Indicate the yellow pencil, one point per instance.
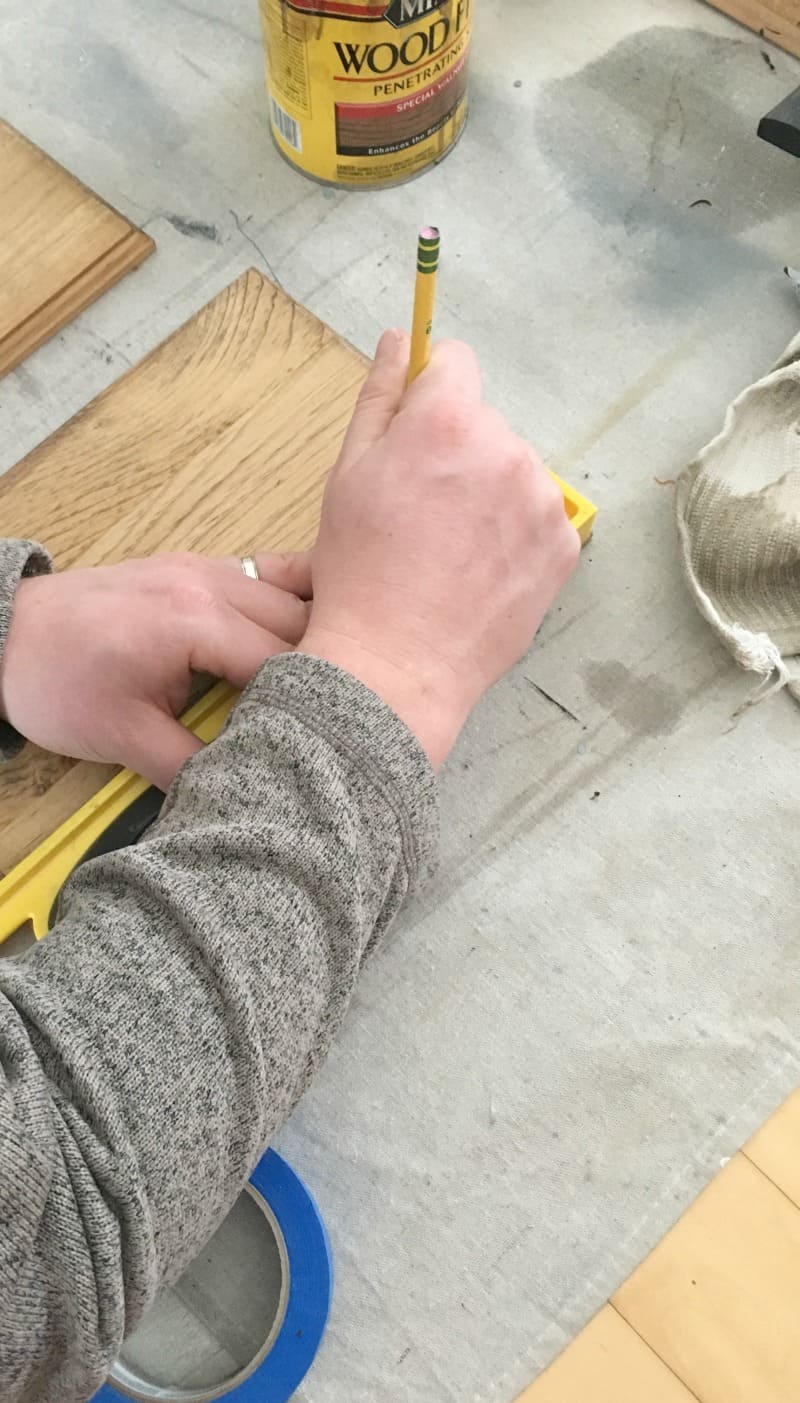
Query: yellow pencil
point(424, 300)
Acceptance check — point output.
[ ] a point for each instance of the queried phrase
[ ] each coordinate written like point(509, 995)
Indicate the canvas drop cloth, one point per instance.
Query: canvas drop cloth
point(599, 999)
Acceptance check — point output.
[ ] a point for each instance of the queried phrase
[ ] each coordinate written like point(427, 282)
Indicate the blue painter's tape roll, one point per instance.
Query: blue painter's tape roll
point(273, 1377)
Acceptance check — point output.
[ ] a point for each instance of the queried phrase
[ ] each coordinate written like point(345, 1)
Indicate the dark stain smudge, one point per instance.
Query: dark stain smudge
point(636, 132)
point(193, 228)
point(644, 706)
point(109, 70)
point(659, 113)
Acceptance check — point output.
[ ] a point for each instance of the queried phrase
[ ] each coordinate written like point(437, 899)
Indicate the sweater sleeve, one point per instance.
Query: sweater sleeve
point(17, 559)
point(163, 1031)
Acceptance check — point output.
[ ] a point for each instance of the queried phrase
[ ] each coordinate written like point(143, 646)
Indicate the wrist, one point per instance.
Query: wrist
point(429, 708)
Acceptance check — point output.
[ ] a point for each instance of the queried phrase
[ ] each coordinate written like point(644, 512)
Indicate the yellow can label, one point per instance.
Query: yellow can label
point(366, 92)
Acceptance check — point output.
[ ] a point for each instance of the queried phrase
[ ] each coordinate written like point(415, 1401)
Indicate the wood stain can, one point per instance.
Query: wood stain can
point(366, 93)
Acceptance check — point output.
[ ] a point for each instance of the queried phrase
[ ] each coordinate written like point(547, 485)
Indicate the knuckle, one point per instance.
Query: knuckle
point(450, 423)
point(573, 549)
point(190, 594)
point(284, 565)
point(451, 348)
point(506, 452)
point(567, 545)
point(182, 579)
point(521, 458)
point(553, 497)
point(180, 562)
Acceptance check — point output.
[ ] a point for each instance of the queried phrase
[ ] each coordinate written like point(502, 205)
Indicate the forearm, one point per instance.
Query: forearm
point(18, 559)
point(165, 1029)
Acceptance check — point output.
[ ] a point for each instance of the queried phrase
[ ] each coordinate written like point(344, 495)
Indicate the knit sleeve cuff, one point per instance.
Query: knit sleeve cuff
point(18, 559)
point(364, 730)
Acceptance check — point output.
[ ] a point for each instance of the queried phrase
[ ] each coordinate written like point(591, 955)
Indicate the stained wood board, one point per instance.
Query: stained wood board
point(778, 21)
point(61, 246)
point(219, 441)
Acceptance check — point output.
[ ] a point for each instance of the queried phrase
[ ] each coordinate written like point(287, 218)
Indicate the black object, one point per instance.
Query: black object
point(127, 828)
point(781, 126)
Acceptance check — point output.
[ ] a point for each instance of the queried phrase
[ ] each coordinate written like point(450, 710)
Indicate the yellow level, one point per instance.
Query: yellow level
point(580, 510)
point(30, 890)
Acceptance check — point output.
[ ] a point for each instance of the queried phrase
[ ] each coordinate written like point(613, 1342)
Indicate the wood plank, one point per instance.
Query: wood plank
point(775, 1148)
point(777, 20)
point(219, 441)
point(184, 401)
point(60, 790)
point(61, 246)
point(717, 1298)
point(607, 1363)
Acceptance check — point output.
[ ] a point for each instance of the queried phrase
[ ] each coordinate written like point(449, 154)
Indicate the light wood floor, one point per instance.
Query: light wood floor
point(711, 1316)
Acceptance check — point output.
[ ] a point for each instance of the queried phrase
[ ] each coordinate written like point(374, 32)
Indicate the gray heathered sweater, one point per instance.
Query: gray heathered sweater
point(153, 1043)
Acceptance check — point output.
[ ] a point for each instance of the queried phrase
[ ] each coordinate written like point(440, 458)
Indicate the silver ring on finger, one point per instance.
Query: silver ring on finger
point(249, 567)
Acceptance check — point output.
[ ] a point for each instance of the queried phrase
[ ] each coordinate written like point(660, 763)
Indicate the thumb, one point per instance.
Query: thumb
point(380, 398)
point(162, 745)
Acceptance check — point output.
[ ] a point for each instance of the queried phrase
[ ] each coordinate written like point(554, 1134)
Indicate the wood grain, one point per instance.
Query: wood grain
point(219, 441)
point(778, 21)
point(607, 1363)
point(717, 1298)
point(61, 246)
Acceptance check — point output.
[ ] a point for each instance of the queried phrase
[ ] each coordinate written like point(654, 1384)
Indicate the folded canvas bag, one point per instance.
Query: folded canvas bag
point(738, 509)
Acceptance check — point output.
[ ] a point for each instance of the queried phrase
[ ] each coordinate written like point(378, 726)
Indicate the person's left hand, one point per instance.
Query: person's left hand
point(98, 663)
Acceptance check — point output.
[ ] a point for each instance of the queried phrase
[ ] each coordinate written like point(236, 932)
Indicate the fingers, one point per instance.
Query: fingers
point(380, 398)
point(453, 371)
point(289, 570)
point(274, 610)
point(275, 600)
point(162, 746)
point(231, 646)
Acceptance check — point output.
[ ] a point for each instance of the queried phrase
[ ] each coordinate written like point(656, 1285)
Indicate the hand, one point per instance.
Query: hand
point(442, 544)
point(98, 663)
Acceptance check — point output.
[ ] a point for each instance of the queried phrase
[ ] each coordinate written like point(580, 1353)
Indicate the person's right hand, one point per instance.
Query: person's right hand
point(442, 544)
